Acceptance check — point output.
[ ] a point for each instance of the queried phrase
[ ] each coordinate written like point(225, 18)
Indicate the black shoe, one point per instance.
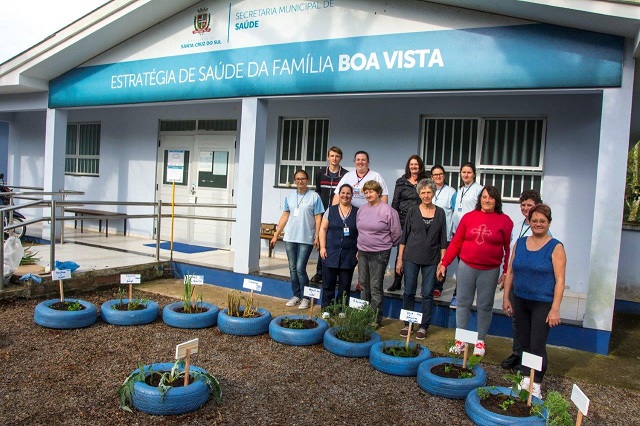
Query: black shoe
point(511, 362)
point(397, 285)
point(317, 278)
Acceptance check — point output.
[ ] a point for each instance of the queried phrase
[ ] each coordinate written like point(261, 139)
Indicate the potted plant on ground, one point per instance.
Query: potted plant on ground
point(351, 332)
point(65, 313)
point(128, 311)
point(297, 330)
point(159, 389)
point(449, 378)
point(397, 357)
point(189, 313)
point(243, 320)
point(498, 405)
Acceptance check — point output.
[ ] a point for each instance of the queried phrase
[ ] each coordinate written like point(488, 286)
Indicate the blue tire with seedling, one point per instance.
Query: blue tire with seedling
point(177, 400)
point(176, 319)
point(297, 337)
point(453, 388)
point(240, 326)
point(483, 417)
point(47, 317)
point(133, 317)
point(348, 349)
point(397, 365)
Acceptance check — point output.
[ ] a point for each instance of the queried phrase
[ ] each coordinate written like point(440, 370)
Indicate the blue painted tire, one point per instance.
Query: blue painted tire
point(180, 400)
point(182, 320)
point(244, 326)
point(483, 417)
point(51, 318)
point(348, 349)
point(137, 317)
point(447, 387)
point(397, 365)
point(294, 337)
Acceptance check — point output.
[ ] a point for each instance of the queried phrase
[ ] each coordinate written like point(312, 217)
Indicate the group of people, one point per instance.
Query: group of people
point(348, 219)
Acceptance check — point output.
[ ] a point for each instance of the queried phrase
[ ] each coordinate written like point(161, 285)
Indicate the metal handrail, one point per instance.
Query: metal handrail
point(54, 205)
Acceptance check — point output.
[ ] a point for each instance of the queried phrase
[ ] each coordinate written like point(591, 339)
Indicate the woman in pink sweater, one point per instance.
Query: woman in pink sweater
point(482, 243)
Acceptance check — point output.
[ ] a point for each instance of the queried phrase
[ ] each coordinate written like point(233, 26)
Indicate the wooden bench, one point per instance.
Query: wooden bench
point(266, 233)
point(96, 215)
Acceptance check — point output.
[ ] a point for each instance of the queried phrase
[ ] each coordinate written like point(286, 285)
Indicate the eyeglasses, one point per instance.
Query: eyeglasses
point(437, 174)
point(301, 179)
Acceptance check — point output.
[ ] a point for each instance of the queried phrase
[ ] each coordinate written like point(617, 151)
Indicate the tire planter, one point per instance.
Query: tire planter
point(348, 349)
point(296, 337)
point(483, 417)
point(137, 317)
point(52, 318)
point(397, 365)
point(244, 326)
point(180, 400)
point(182, 320)
point(452, 388)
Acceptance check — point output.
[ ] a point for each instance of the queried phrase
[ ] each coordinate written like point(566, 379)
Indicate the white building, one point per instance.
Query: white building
point(232, 97)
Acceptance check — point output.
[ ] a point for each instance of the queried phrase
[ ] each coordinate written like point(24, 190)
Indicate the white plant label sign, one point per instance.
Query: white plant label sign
point(252, 284)
point(312, 292)
point(532, 361)
point(580, 399)
point(181, 349)
point(357, 303)
point(467, 336)
point(411, 316)
point(129, 278)
point(195, 279)
point(61, 274)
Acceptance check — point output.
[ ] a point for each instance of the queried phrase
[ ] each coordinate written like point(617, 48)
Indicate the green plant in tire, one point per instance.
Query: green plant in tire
point(135, 304)
point(354, 325)
point(472, 361)
point(234, 303)
point(187, 294)
point(557, 410)
point(167, 381)
point(75, 306)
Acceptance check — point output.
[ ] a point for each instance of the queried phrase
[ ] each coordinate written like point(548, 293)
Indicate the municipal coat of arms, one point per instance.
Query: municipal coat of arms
point(202, 21)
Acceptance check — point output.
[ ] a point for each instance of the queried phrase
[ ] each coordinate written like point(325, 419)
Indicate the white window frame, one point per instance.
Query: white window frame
point(310, 166)
point(530, 177)
point(76, 154)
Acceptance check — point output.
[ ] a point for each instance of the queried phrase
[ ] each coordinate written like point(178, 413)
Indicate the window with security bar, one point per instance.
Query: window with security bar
point(82, 153)
point(303, 145)
point(508, 152)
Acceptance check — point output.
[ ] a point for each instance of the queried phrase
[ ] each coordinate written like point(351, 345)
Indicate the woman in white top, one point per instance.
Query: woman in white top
point(444, 198)
point(358, 177)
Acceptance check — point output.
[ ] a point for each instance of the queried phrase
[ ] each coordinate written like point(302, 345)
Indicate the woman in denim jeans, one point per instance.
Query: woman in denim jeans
point(378, 230)
point(302, 215)
point(422, 245)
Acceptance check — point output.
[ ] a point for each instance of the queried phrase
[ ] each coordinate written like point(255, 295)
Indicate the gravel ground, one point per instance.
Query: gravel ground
point(70, 377)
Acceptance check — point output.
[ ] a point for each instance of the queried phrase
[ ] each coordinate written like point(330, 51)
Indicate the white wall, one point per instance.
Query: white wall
point(628, 267)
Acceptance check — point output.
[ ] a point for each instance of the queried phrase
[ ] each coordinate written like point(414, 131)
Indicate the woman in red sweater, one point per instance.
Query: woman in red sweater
point(482, 243)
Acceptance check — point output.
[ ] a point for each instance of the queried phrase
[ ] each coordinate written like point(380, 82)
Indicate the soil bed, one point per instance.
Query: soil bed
point(298, 323)
point(516, 409)
point(194, 310)
point(72, 377)
point(67, 306)
point(129, 307)
point(154, 378)
point(451, 371)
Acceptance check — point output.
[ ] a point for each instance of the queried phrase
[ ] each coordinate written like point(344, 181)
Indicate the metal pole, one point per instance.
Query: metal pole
point(62, 223)
point(52, 236)
point(158, 221)
point(2, 252)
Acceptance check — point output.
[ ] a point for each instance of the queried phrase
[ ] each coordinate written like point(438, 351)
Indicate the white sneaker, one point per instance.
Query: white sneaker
point(524, 384)
point(293, 301)
point(304, 304)
point(479, 348)
point(326, 315)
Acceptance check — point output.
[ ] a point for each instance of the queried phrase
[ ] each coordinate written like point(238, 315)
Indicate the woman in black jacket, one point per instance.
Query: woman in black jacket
point(422, 245)
point(405, 197)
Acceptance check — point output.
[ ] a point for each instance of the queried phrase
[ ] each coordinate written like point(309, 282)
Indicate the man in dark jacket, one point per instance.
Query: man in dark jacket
point(326, 180)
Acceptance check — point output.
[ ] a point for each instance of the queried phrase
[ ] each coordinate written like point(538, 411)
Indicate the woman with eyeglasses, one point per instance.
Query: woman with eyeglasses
point(536, 275)
point(302, 215)
point(444, 198)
